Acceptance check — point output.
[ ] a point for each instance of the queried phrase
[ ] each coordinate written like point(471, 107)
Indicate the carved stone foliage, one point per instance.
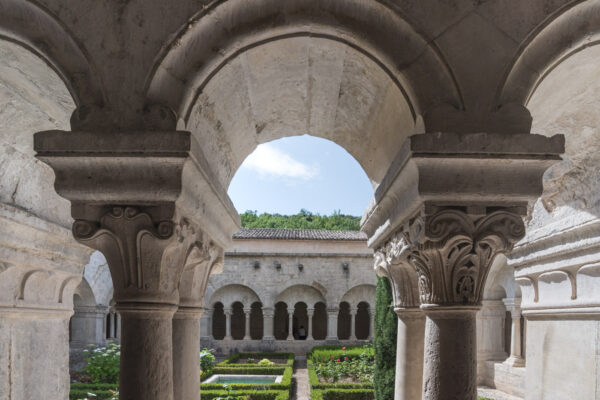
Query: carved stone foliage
point(392, 261)
point(455, 251)
point(139, 252)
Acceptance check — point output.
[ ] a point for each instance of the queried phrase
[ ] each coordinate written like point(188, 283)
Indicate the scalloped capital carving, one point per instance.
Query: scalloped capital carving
point(142, 253)
point(453, 252)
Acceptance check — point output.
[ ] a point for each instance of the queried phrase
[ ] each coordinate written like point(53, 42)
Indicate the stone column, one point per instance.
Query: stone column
point(206, 325)
point(310, 312)
point(290, 324)
point(391, 262)
point(228, 312)
point(247, 312)
point(202, 259)
point(332, 324)
point(268, 324)
point(409, 353)
point(186, 353)
point(353, 312)
point(133, 196)
point(516, 358)
point(452, 252)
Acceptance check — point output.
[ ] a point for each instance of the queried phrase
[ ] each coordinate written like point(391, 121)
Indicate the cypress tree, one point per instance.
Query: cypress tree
point(384, 341)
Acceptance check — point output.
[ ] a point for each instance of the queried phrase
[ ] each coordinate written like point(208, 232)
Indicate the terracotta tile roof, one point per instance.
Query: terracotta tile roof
point(298, 234)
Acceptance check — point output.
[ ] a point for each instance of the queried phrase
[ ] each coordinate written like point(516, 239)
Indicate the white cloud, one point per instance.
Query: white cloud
point(269, 161)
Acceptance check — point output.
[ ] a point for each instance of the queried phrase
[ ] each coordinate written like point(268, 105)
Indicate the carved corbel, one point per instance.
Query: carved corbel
point(454, 255)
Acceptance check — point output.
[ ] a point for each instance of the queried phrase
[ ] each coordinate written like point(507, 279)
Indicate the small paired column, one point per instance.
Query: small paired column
point(332, 324)
point(247, 312)
point(310, 312)
point(228, 312)
point(290, 324)
point(206, 325)
point(353, 312)
point(516, 358)
point(268, 324)
point(409, 353)
point(186, 353)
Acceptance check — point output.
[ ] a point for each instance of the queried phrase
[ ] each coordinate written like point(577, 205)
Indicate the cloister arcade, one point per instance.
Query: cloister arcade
point(122, 124)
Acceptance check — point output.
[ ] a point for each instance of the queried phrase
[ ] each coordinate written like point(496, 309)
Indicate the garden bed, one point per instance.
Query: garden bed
point(341, 373)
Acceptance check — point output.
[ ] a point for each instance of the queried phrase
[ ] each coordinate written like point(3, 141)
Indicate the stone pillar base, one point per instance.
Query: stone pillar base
point(516, 362)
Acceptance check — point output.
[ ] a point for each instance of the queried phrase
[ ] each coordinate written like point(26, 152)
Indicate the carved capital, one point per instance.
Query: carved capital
point(453, 255)
point(137, 248)
point(392, 261)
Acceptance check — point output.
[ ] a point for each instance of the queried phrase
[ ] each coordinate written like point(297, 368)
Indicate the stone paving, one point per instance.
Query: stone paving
point(300, 388)
point(495, 394)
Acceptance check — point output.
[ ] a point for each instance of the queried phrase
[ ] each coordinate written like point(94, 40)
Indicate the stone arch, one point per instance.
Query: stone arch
point(360, 293)
point(320, 321)
point(226, 28)
point(300, 293)
point(280, 322)
point(572, 30)
point(363, 320)
point(84, 295)
point(238, 321)
point(229, 294)
point(41, 33)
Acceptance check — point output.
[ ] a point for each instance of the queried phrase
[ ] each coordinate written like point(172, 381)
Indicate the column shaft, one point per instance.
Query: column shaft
point(290, 325)
point(268, 324)
point(310, 314)
point(352, 324)
point(146, 351)
point(228, 324)
point(247, 330)
point(409, 354)
point(450, 364)
point(332, 322)
point(186, 353)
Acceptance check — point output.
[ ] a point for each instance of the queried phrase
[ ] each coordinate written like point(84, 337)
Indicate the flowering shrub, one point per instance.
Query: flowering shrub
point(102, 364)
point(265, 362)
point(358, 368)
point(207, 360)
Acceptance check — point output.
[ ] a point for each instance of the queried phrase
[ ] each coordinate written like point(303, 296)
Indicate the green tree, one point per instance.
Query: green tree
point(384, 341)
point(303, 220)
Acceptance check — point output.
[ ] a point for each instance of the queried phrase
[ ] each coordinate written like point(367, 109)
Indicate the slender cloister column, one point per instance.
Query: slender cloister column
point(353, 312)
point(310, 312)
point(117, 326)
point(332, 323)
point(516, 356)
point(228, 312)
point(206, 324)
point(268, 324)
point(391, 262)
point(290, 324)
point(203, 258)
point(247, 312)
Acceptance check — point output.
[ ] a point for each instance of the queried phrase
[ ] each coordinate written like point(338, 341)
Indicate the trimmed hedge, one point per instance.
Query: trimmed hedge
point(321, 354)
point(384, 343)
point(101, 390)
point(343, 394)
point(231, 361)
point(254, 394)
point(286, 380)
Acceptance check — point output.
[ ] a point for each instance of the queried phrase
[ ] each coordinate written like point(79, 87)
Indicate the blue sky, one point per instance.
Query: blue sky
point(286, 175)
